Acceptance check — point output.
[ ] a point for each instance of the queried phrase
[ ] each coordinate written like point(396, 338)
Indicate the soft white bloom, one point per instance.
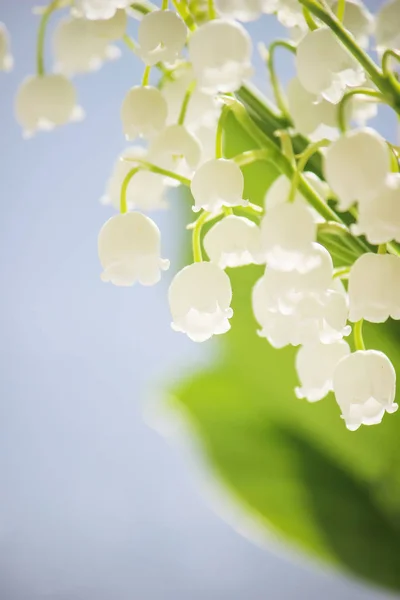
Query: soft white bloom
point(218, 182)
point(242, 10)
point(374, 288)
point(314, 317)
point(162, 36)
point(278, 193)
point(220, 53)
point(78, 48)
point(199, 297)
point(6, 60)
point(111, 29)
point(44, 102)
point(233, 242)
point(325, 67)
point(315, 365)
point(143, 112)
point(176, 149)
point(365, 387)
point(356, 166)
point(129, 250)
point(145, 191)
point(379, 219)
point(387, 30)
point(358, 20)
point(312, 116)
point(287, 233)
point(289, 12)
point(99, 9)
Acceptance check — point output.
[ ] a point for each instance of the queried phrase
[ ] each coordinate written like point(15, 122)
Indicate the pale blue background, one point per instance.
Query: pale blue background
point(94, 504)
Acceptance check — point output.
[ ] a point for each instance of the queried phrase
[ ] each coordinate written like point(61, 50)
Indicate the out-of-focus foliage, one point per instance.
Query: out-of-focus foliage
point(331, 493)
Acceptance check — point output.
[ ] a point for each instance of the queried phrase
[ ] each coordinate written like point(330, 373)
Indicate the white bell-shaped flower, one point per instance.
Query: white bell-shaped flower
point(242, 10)
point(111, 29)
point(233, 242)
point(358, 20)
point(129, 250)
point(315, 365)
point(374, 288)
point(379, 219)
point(162, 36)
point(325, 67)
point(288, 231)
point(44, 102)
point(78, 48)
point(312, 116)
point(145, 191)
point(365, 387)
point(218, 182)
point(220, 53)
point(176, 149)
point(278, 193)
point(288, 12)
point(356, 166)
point(199, 297)
point(99, 9)
point(143, 112)
point(6, 59)
point(387, 31)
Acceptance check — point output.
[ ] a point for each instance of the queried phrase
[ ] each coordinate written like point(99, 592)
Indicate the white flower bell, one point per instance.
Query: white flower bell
point(6, 60)
point(143, 112)
point(278, 193)
point(358, 20)
point(145, 191)
point(365, 387)
point(176, 149)
point(356, 166)
point(242, 10)
point(99, 9)
point(287, 233)
point(379, 219)
point(233, 242)
point(218, 182)
point(199, 297)
point(111, 29)
point(325, 67)
point(78, 48)
point(288, 12)
point(129, 250)
point(374, 288)
point(312, 116)
point(220, 53)
point(315, 365)
point(162, 36)
point(387, 31)
point(44, 102)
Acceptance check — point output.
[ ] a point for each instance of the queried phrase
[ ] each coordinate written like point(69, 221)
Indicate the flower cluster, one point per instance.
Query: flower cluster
point(326, 238)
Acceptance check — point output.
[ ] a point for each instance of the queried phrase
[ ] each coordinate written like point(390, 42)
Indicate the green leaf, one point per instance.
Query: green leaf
point(331, 493)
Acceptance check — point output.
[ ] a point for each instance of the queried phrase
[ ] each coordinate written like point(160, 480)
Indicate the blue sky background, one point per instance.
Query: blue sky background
point(95, 504)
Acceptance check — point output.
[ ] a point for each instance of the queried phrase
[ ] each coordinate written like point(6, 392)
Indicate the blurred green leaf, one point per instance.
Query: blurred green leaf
point(331, 493)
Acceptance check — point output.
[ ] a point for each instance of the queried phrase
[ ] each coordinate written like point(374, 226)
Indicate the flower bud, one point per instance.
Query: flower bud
point(111, 29)
point(143, 112)
point(162, 36)
point(6, 60)
point(356, 166)
point(374, 288)
point(233, 242)
point(315, 365)
point(199, 297)
point(129, 250)
point(365, 387)
point(217, 183)
point(220, 53)
point(44, 102)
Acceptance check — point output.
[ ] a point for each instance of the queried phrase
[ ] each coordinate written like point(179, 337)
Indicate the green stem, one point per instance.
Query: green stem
point(185, 103)
point(196, 236)
point(387, 71)
point(341, 115)
point(123, 202)
point(269, 59)
point(42, 35)
point(341, 273)
point(309, 152)
point(358, 335)
point(341, 9)
point(164, 5)
point(382, 249)
point(219, 137)
point(144, 164)
point(146, 76)
point(129, 43)
point(211, 10)
point(309, 20)
point(183, 11)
